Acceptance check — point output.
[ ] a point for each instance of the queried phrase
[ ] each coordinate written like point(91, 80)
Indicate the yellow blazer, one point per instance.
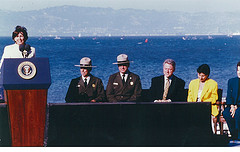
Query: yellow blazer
point(209, 93)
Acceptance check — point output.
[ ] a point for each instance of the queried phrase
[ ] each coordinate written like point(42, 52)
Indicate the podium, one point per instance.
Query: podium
point(26, 82)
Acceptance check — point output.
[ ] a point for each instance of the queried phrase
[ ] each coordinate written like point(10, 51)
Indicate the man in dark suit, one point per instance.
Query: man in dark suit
point(232, 112)
point(86, 88)
point(123, 85)
point(167, 87)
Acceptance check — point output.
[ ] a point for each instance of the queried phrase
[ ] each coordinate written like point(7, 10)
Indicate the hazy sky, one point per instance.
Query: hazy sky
point(172, 5)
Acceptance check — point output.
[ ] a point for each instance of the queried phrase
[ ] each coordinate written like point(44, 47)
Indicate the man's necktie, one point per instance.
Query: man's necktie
point(85, 82)
point(123, 79)
point(166, 89)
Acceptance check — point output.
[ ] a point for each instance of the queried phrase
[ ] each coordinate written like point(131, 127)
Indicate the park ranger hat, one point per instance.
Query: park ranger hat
point(85, 62)
point(122, 59)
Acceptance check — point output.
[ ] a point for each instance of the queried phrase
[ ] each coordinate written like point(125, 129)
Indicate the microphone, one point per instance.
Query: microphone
point(25, 49)
point(21, 47)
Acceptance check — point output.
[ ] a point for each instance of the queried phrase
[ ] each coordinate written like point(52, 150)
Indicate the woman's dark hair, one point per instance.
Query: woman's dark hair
point(204, 68)
point(20, 29)
point(238, 64)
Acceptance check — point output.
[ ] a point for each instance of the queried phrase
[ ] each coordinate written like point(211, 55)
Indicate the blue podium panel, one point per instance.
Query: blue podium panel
point(25, 74)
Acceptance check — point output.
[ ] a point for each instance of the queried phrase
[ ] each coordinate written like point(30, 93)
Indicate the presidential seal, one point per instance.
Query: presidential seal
point(27, 70)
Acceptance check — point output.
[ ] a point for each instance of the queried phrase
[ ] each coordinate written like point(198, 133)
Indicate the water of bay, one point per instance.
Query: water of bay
point(221, 53)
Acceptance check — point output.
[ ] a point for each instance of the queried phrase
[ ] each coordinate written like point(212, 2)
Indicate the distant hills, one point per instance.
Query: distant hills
point(86, 21)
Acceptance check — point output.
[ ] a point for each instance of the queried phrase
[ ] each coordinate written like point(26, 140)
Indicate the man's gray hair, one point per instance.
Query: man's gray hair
point(170, 61)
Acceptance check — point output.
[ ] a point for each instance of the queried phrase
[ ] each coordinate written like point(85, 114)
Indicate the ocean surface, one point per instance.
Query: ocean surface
point(221, 53)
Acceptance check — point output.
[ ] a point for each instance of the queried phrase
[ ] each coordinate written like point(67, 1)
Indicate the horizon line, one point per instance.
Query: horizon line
point(163, 10)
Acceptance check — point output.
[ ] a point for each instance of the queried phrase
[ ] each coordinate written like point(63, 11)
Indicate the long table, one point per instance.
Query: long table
point(5, 139)
point(126, 124)
point(130, 124)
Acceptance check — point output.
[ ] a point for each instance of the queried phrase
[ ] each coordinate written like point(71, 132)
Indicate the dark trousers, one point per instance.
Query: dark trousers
point(233, 123)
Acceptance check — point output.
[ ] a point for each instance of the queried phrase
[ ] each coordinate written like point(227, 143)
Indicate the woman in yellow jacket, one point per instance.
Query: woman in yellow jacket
point(204, 89)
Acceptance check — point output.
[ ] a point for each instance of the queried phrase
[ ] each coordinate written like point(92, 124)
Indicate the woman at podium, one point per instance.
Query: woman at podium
point(19, 49)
